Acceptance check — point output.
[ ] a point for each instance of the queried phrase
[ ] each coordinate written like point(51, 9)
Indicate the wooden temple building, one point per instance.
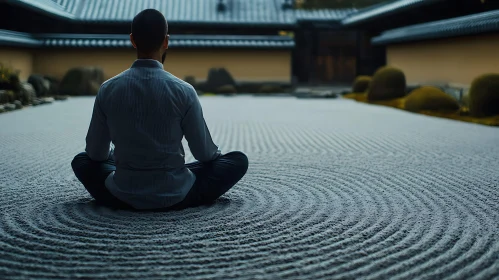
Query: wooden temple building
point(256, 40)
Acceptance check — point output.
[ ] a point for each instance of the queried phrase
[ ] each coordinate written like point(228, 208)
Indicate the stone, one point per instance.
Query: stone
point(28, 93)
point(36, 102)
point(40, 84)
point(217, 78)
point(82, 81)
point(18, 104)
point(191, 80)
point(2, 109)
point(54, 85)
point(9, 107)
point(61, 97)
point(455, 92)
point(331, 95)
point(48, 100)
point(6, 96)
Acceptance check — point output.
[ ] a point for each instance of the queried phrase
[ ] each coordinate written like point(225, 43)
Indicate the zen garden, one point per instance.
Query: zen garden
point(387, 86)
point(370, 129)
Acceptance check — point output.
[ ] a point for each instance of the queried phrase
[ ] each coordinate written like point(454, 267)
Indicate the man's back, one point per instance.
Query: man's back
point(144, 108)
point(147, 111)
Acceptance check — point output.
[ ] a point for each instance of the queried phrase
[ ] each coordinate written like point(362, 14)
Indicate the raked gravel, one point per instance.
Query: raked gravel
point(335, 190)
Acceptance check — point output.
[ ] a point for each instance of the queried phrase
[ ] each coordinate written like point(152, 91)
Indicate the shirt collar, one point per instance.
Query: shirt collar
point(149, 63)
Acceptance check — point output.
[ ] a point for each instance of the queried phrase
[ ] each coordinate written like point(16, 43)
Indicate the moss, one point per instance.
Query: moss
point(484, 96)
point(491, 121)
point(461, 115)
point(226, 89)
point(387, 83)
point(361, 97)
point(394, 103)
point(270, 88)
point(429, 98)
point(361, 84)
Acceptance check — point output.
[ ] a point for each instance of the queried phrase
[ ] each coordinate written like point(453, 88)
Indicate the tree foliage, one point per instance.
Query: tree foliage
point(336, 4)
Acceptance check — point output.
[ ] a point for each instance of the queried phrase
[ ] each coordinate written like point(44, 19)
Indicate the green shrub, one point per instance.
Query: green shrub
point(484, 96)
point(429, 98)
point(361, 84)
point(387, 83)
point(9, 79)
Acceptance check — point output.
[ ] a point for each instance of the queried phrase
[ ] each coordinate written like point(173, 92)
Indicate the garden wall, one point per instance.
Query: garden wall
point(19, 59)
point(244, 65)
point(454, 61)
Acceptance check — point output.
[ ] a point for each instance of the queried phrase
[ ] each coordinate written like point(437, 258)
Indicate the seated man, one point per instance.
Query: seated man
point(146, 111)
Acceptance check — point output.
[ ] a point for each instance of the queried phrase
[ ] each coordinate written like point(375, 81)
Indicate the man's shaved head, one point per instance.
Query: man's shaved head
point(149, 29)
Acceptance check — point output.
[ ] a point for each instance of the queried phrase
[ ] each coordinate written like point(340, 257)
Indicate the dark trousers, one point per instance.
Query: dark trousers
point(213, 179)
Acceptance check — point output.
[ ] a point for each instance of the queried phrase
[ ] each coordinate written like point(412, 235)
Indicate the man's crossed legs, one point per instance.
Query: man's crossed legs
point(213, 179)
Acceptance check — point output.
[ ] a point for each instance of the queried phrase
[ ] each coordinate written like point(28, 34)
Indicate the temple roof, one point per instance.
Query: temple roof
point(10, 38)
point(245, 12)
point(384, 9)
point(460, 26)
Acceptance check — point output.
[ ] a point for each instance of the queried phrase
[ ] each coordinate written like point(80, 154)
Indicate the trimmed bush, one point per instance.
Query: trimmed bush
point(484, 96)
point(361, 84)
point(387, 83)
point(429, 98)
point(82, 81)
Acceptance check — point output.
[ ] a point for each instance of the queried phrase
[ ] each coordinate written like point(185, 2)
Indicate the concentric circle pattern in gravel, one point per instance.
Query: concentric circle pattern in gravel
point(335, 190)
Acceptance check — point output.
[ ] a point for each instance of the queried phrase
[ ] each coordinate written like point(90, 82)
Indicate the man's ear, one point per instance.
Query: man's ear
point(133, 42)
point(166, 42)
